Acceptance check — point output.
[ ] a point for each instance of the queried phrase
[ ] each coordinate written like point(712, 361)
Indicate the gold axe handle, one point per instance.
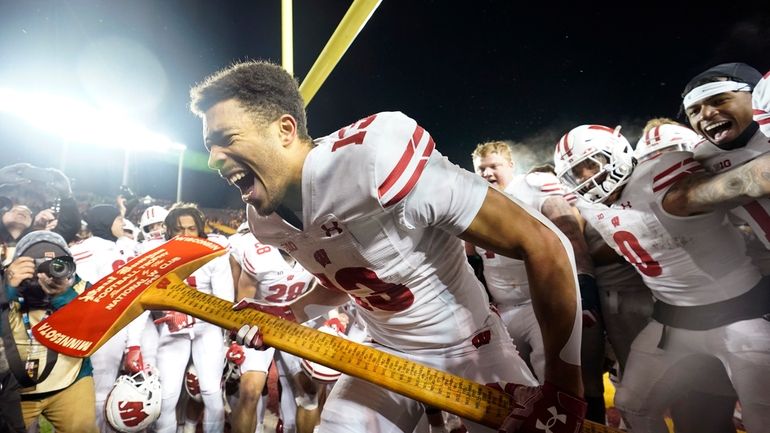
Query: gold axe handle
point(433, 387)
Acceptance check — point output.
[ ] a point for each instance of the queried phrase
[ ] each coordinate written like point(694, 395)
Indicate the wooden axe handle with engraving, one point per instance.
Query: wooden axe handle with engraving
point(155, 281)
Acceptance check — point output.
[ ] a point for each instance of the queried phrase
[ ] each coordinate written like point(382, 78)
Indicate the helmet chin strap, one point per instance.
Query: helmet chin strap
point(741, 140)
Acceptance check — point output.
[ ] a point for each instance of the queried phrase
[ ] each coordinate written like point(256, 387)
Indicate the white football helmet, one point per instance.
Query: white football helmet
point(191, 384)
point(600, 149)
point(128, 226)
point(664, 138)
point(153, 215)
point(134, 402)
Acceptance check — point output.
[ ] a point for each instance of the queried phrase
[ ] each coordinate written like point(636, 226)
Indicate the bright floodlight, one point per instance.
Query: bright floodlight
point(77, 122)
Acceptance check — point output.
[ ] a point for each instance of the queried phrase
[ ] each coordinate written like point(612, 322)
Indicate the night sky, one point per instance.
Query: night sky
point(467, 71)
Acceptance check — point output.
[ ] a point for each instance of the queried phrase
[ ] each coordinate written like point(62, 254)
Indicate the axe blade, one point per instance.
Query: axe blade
point(79, 328)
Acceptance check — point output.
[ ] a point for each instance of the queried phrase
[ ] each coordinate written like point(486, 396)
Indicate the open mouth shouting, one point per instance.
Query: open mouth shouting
point(245, 181)
point(718, 131)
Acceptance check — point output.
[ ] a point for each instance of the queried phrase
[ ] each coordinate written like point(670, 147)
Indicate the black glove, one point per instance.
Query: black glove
point(589, 297)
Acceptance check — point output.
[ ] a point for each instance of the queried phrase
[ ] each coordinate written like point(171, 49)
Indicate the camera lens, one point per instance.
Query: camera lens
point(57, 267)
point(60, 267)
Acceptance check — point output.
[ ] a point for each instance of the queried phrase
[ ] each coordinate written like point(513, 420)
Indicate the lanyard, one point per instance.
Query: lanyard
point(26, 321)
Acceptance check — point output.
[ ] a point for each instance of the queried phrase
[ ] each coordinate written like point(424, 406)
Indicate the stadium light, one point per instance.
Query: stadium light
point(76, 122)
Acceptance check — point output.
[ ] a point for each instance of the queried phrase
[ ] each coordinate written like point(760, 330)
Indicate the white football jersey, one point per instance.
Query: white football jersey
point(126, 247)
point(757, 213)
point(617, 277)
point(278, 282)
point(506, 277)
point(381, 211)
point(96, 258)
point(148, 244)
point(760, 103)
point(214, 278)
point(685, 261)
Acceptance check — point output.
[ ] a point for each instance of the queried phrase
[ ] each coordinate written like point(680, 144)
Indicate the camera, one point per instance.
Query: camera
point(62, 267)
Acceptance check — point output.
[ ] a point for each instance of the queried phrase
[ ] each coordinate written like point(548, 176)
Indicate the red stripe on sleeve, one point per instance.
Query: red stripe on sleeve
point(759, 214)
point(669, 170)
point(673, 180)
point(402, 163)
point(249, 266)
point(416, 175)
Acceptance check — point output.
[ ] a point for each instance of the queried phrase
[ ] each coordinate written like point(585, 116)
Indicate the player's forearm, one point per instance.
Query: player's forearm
point(553, 285)
point(561, 215)
point(699, 193)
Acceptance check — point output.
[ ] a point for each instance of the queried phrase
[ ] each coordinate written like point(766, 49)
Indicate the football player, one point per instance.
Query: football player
point(374, 212)
point(260, 271)
point(96, 257)
point(718, 105)
point(665, 217)
point(506, 278)
point(182, 337)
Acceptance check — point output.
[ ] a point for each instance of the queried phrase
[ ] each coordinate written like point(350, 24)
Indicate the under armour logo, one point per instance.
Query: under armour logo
point(131, 412)
point(322, 258)
point(328, 230)
point(615, 221)
point(626, 205)
point(555, 416)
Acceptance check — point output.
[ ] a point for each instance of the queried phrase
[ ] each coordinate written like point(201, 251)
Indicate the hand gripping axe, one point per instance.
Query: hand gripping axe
point(155, 281)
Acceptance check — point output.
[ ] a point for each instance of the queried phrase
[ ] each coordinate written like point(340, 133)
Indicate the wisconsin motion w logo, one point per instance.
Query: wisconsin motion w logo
point(131, 412)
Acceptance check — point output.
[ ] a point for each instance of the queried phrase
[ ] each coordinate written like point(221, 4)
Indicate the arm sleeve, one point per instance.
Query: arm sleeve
point(222, 280)
point(544, 186)
point(670, 168)
point(135, 329)
point(445, 196)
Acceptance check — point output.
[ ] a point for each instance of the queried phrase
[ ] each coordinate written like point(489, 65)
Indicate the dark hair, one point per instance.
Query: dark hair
point(263, 88)
point(184, 209)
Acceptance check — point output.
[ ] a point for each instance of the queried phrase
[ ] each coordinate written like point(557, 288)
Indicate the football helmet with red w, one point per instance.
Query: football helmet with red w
point(593, 161)
point(134, 402)
point(150, 222)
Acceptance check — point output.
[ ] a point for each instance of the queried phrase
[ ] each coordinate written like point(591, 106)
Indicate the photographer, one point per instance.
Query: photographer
point(40, 280)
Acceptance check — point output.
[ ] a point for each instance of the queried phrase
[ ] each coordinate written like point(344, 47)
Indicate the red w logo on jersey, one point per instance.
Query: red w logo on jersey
point(322, 258)
point(131, 412)
point(615, 221)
